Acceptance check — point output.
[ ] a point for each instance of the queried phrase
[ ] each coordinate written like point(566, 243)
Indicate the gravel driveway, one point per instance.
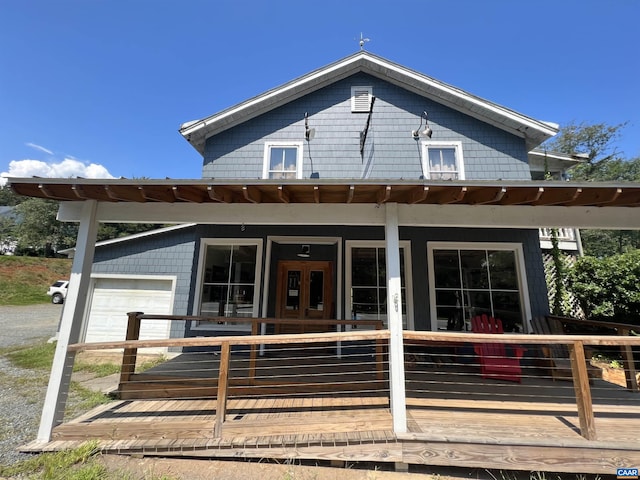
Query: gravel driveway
point(22, 391)
point(23, 325)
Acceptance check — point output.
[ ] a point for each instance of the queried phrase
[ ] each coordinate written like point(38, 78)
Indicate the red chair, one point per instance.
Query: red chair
point(497, 360)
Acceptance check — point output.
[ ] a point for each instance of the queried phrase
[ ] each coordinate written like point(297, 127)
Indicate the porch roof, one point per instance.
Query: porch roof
point(332, 191)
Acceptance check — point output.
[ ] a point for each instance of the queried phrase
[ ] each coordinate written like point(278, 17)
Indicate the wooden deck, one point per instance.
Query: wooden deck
point(446, 428)
point(319, 405)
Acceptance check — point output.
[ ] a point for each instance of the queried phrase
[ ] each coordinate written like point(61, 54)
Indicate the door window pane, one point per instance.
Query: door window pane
point(316, 289)
point(293, 290)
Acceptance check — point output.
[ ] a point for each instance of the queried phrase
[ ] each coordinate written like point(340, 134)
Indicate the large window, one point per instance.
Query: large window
point(283, 160)
point(471, 280)
point(367, 275)
point(229, 283)
point(442, 160)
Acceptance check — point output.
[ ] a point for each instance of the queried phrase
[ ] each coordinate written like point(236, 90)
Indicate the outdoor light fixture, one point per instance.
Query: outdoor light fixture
point(427, 132)
point(305, 251)
point(309, 133)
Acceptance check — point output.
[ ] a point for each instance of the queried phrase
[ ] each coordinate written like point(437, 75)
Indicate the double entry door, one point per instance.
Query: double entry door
point(305, 294)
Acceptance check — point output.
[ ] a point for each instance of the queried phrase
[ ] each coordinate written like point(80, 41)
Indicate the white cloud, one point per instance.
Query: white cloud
point(39, 147)
point(67, 168)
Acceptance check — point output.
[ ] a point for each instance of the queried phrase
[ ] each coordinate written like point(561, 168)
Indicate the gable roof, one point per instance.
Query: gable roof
point(533, 131)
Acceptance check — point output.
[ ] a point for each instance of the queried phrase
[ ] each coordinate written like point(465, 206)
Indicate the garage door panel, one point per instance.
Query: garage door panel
point(113, 298)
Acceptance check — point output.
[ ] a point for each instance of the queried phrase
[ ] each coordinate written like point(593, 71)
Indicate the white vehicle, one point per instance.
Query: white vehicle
point(58, 291)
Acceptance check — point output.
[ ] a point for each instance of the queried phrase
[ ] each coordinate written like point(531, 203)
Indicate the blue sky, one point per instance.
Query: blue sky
point(97, 88)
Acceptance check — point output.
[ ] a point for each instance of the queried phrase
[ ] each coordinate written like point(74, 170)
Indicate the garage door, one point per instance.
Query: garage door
point(113, 298)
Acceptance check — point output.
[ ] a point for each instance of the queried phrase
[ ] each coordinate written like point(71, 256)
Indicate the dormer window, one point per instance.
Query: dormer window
point(361, 99)
point(282, 160)
point(442, 160)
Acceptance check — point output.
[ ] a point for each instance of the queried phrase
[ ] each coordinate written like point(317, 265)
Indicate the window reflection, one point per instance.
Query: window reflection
point(471, 282)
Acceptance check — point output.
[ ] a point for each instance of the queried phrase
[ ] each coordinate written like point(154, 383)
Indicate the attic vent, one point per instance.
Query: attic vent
point(361, 99)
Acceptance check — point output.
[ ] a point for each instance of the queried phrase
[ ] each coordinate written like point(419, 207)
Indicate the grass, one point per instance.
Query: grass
point(82, 463)
point(33, 357)
point(25, 280)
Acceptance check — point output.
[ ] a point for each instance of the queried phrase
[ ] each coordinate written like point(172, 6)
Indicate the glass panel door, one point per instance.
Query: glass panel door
point(304, 292)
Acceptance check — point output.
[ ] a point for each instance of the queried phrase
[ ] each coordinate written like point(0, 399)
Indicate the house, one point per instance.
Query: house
point(362, 190)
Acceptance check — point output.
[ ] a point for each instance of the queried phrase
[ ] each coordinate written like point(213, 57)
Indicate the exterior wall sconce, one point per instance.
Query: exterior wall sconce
point(427, 132)
point(309, 133)
point(305, 251)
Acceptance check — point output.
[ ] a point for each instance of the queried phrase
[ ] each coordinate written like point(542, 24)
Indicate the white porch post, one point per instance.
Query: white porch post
point(394, 318)
point(71, 325)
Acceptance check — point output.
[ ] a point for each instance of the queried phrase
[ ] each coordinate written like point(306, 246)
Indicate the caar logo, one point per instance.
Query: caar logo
point(627, 473)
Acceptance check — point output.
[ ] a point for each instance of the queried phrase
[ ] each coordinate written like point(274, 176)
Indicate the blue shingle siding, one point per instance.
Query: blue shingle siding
point(390, 150)
point(169, 253)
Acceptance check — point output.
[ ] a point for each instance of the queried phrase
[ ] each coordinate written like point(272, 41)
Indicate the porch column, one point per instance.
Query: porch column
point(394, 319)
point(71, 324)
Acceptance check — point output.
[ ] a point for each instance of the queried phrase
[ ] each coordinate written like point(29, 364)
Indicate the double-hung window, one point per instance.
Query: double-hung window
point(282, 160)
point(230, 282)
point(442, 160)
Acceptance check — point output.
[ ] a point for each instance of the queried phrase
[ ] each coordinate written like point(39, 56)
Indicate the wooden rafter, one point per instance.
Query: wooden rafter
point(418, 195)
point(596, 197)
point(485, 196)
point(185, 195)
point(450, 195)
point(46, 190)
point(350, 193)
point(219, 194)
point(560, 196)
point(521, 196)
point(283, 195)
point(384, 195)
point(251, 194)
point(79, 192)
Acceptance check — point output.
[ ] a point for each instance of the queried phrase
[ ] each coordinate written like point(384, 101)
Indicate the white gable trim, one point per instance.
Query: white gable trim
point(196, 132)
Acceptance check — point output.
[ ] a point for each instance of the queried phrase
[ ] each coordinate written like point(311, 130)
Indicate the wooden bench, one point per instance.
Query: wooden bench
point(557, 356)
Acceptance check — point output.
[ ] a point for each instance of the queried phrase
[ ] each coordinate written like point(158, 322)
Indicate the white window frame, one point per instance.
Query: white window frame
point(506, 246)
point(206, 242)
point(408, 288)
point(426, 144)
point(267, 156)
point(356, 104)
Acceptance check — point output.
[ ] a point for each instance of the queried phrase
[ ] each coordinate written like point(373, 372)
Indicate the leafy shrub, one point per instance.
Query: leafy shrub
point(607, 288)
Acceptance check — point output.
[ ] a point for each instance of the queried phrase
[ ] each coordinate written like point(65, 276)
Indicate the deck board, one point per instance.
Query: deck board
point(476, 421)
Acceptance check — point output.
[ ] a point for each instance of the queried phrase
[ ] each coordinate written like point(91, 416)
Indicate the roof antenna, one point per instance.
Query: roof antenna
point(363, 41)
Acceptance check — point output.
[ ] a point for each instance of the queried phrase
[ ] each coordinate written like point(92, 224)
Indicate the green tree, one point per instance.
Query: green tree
point(607, 288)
point(39, 231)
point(596, 141)
point(8, 198)
point(604, 163)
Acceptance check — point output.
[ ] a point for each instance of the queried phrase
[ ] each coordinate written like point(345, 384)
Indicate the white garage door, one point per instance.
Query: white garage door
point(113, 298)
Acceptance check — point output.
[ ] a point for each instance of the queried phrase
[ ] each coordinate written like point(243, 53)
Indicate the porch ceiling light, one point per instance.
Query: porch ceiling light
point(426, 132)
point(305, 251)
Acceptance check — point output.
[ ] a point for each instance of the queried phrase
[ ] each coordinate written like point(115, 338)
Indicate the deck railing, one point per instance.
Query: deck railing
point(310, 365)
